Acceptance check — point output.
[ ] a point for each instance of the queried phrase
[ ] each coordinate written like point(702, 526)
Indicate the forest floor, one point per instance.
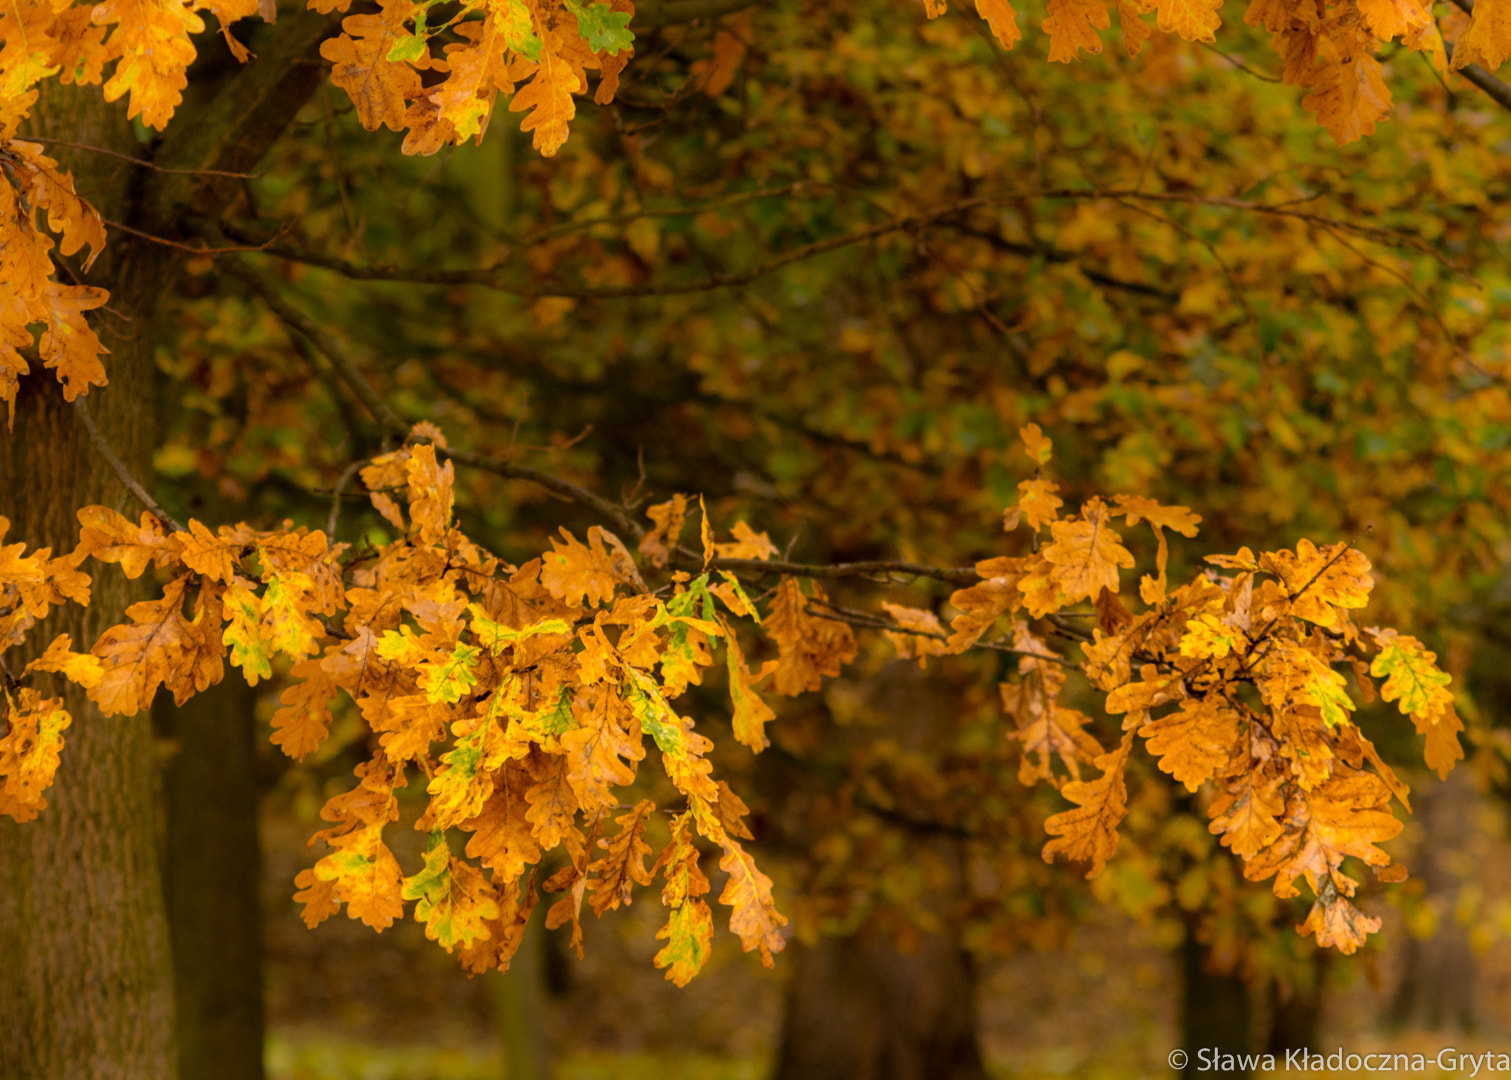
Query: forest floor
point(347, 1003)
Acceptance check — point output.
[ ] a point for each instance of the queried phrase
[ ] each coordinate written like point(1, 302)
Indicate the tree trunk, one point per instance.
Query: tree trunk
point(1214, 1010)
point(519, 1006)
point(1437, 980)
point(212, 877)
point(856, 1008)
point(85, 983)
point(860, 1010)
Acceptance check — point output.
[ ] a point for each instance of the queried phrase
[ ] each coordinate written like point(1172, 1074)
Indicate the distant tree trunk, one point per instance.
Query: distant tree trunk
point(1214, 1009)
point(519, 1007)
point(212, 879)
point(856, 1008)
point(1437, 979)
point(86, 988)
point(860, 1010)
point(1296, 1009)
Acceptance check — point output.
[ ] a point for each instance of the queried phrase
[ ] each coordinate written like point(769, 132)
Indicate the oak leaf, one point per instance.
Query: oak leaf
point(808, 647)
point(1088, 833)
point(1086, 554)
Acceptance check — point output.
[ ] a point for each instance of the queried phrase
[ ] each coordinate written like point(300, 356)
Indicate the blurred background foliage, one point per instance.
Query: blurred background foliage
point(820, 264)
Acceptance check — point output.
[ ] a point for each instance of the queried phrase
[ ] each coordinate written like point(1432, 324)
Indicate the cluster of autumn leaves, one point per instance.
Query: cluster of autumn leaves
point(522, 697)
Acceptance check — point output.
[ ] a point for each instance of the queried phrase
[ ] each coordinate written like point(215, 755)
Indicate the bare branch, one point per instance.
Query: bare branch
point(81, 407)
point(336, 492)
point(651, 13)
point(327, 345)
point(954, 575)
point(493, 278)
point(154, 166)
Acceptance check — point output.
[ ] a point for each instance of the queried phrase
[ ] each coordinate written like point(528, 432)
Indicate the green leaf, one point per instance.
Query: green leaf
point(450, 678)
point(517, 28)
point(407, 48)
point(603, 28)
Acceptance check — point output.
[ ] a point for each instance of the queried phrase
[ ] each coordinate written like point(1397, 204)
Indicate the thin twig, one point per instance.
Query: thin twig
point(81, 407)
point(141, 163)
point(962, 575)
point(345, 478)
point(163, 240)
point(327, 346)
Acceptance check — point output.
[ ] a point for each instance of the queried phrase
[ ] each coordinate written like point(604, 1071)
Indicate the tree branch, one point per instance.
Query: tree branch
point(492, 278)
point(652, 13)
point(327, 345)
point(1494, 88)
point(81, 407)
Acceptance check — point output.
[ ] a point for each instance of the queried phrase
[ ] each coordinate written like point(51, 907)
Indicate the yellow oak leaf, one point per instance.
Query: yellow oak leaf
point(598, 752)
point(1072, 25)
point(205, 553)
point(502, 838)
point(747, 544)
point(378, 87)
point(1088, 833)
point(1321, 580)
point(983, 604)
point(139, 656)
point(754, 916)
point(151, 37)
point(910, 646)
point(808, 647)
point(1348, 98)
point(30, 749)
point(547, 98)
point(366, 876)
point(1389, 19)
point(1337, 922)
point(576, 573)
point(1038, 502)
point(1195, 741)
point(1135, 30)
point(1086, 554)
point(1488, 39)
point(110, 537)
point(1246, 813)
point(303, 721)
point(1194, 20)
point(1002, 19)
point(622, 867)
point(82, 668)
point(657, 544)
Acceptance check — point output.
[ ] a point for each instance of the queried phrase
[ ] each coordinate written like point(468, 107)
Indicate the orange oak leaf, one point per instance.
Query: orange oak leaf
point(1488, 39)
point(378, 87)
point(1086, 554)
point(808, 647)
point(1088, 833)
point(622, 867)
point(668, 517)
point(1195, 741)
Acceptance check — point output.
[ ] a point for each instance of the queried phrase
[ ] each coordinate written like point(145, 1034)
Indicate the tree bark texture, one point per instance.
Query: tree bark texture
point(85, 984)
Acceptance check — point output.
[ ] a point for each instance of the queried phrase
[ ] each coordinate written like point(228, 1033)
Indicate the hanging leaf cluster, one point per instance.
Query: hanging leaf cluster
point(525, 698)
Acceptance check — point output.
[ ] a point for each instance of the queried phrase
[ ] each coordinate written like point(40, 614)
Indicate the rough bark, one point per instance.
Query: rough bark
point(85, 986)
point(211, 875)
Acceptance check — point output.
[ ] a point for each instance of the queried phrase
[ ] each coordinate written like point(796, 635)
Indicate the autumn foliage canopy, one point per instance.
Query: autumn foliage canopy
point(525, 698)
